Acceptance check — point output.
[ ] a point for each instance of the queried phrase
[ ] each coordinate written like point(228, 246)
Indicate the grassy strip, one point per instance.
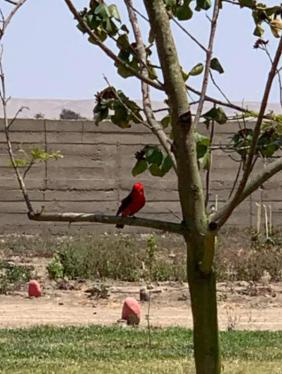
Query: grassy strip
point(115, 350)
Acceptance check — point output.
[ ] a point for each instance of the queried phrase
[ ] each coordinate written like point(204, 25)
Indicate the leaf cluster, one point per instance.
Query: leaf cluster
point(152, 158)
point(104, 20)
point(114, 105)
point(264, 14)
point(269, 141)
point(37, 155)
point(181, 9)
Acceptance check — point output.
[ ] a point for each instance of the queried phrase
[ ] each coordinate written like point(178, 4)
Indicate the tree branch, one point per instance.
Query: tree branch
point(270, 170)
point(147, 105)
point(8, 140)
point(218, 88)
point(4, 101)
point(252, 185)
point(226, 104)
point(107, 219)
point(21, 109)
point(7, 20)
point(208, 62)
point(190, 35)
point(226, 211)
point(11, 2)
point(264, 48)
point(107, 50)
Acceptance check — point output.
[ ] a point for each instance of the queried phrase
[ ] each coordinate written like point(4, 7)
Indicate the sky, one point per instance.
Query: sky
point(45, 56)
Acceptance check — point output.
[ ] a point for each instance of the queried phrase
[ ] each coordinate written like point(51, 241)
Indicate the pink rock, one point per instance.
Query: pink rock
point(34, 289)
point(131, 311)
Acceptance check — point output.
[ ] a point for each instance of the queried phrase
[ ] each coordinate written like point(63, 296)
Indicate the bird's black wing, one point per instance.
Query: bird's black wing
point(124, 203)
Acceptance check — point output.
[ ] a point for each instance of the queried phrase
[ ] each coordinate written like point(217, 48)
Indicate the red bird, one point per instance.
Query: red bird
point(132, 203)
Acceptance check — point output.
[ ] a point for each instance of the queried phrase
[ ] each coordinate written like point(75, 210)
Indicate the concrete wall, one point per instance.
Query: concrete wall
point(94, 176)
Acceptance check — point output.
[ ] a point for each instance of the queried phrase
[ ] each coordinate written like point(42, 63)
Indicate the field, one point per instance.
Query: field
point(74, 327)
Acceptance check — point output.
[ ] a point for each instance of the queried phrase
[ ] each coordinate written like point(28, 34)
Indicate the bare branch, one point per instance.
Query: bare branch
point(7, 20)
point(155, 126)
point(217, 101)
point(103, 218)
point(190, 35)
point(226, 211)
point(264, 48)
point(107, 50)
point(236, 179)
point(31, 163)
point(270, 170)
point(218, 88)
point(16, 115)
point(208, 61)
point(9, 143)
point(11, 2)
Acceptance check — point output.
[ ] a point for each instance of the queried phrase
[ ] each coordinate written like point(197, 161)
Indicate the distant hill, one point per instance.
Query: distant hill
point(51, 108)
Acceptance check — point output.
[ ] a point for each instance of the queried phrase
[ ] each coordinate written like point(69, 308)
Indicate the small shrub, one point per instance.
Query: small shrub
point(120, 258)
point(249, 264)
point(12, 276)
point(94, 259)
point(55, 268)
point(70, 114)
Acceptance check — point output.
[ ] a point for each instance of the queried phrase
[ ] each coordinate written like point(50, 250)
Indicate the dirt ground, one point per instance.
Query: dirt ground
point(242, 305)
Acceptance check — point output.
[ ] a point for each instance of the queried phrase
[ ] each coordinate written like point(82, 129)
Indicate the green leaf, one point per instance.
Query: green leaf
point(113, 10)
point(259, 31)
point(153, 155)
point(101, 112)
point(184, 12)
point(241, 141)
point(20, 163)
point(200, 138)
point(204, 161)
point(203, 4)
point(123, 42)
point(152, 72)
point(185, 75)
point(216, 114)
point(203, 151)
point(269, 142)
point(197, 69)
point(124, 72)
point(247, 3)
point(166, 165)
point(155, 170)
point(102, 11)
point(166, 121)
point(170, 3)
point(215, 65)
point(139, 167)
point(120, 117)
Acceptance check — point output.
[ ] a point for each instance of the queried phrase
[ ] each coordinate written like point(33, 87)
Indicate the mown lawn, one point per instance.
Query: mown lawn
point(98, 349)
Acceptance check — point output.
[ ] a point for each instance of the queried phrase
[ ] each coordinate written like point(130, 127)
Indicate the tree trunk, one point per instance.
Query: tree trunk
point(204, 309)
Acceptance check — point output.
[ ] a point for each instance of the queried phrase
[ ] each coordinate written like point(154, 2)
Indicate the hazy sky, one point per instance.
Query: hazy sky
point(47, 57)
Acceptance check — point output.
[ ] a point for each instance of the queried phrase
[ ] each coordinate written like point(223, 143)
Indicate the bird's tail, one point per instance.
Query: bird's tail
point(119, 226)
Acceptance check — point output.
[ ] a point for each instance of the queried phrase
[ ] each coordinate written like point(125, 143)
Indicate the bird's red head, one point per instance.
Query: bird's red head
point(138, 187)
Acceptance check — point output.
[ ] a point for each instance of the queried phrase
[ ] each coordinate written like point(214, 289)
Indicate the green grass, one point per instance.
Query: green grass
point(98, 349)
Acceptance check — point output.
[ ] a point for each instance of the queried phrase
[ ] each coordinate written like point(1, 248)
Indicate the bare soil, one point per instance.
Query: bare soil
point(242, 305)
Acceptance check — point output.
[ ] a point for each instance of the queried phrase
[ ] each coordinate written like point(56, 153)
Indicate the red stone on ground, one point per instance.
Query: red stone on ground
point(131, 311)
point(34, 289)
